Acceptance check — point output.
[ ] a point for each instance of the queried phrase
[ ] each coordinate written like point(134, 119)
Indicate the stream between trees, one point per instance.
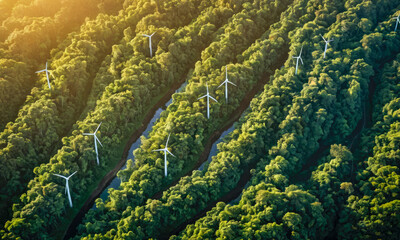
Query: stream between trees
point(352, 141)
point(112, 181)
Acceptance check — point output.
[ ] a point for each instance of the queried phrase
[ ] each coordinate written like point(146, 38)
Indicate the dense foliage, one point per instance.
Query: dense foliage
point(77, 151)
point(318, 147)
point(268, 212)
point(184, 118)
point(48, 115)
point(46, 24)
point(370, 210)
point(256, 222)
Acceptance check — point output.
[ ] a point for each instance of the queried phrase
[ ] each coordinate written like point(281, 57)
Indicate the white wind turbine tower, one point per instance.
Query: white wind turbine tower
point(208, 101)
point(149, 36)
point(326, 44)
point(66, 186)
point(299, 57)
point(96, 139)
point(165, 150)
point(397, 22)
point(226, 84)
point(47, 74)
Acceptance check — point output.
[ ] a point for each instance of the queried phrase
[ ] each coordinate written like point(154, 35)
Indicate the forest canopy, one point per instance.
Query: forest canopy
point(111, 111)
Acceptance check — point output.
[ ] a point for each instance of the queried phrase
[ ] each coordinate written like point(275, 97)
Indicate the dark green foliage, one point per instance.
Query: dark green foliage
point(129, 91)
point(297, 189)
point(296, 146)
point(183, 200)
point(185, 105)
point(266, 212)
point(372, 210)
point(48, 115)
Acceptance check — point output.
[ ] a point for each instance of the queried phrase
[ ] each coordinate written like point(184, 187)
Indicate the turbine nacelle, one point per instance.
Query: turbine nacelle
point(47, 74)
point(208, 101)
point(298, 58)
point(397, 22)
point(149, 36)
point(165, 150)
point(326, 41)
point(96, 140)
point(67, 191)
point(326, 44)
point(226, 84)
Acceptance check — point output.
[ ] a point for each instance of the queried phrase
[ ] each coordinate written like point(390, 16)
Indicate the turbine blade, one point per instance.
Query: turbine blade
point(232, 83)
point(145, 35)
point(226, 72)
point(152, 34)
point(202, 97)
point(58, 175)
point(40, 71)
point(322, 37)
point(167, 140)
point(213, 98)
point(47, 77)
point(46, 65)
point(97, 128)
point(301, 61)
point(221, 84)
point(72, 174)
point(170, 153)
point(301, 50)
point(98, 140)
point(95, 148)
point(158, 150)
point(88, 134)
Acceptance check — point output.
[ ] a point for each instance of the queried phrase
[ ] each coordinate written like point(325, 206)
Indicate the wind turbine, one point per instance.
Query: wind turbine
point(299, 57)
point(149, 36)
point(397, 22)
point(226, 84)
point(165, 150)
point(208, 101)
point(326, 44)
point(67, 185)
point(95, 142)
point(47, 74)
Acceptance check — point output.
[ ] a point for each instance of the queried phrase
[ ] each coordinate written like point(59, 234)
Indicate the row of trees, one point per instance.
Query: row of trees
point(135, 84)
point(274, 220)
point(185, 117)
point(48, 115)
point(224, 50)
point(285, 124)
point(192, 193)
point(30, 30)
point(294, 212)
point(372, 211)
